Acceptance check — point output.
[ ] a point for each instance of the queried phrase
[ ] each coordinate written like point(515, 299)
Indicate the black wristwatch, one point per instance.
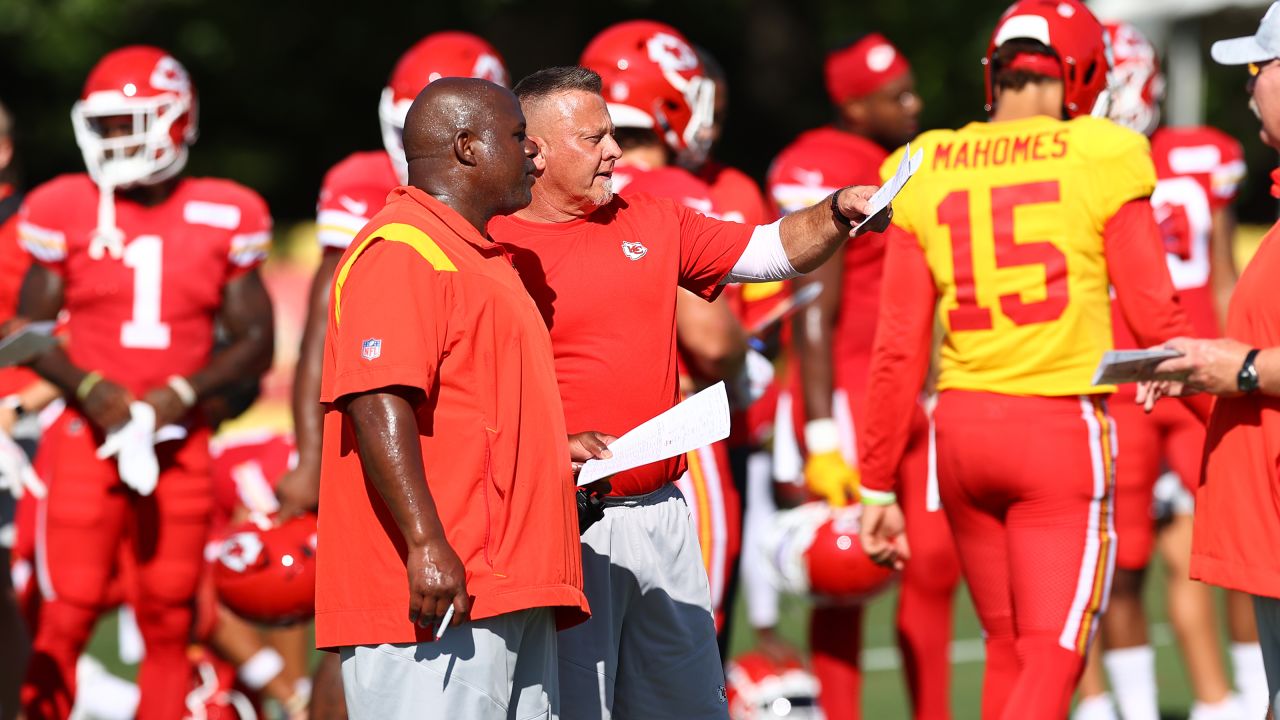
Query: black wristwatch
point(1247, 378)
point(835, 208)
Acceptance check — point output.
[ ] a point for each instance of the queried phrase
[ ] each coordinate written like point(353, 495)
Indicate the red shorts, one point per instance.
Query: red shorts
point(1170, 437)
point(1026, 483)
point(89, 513)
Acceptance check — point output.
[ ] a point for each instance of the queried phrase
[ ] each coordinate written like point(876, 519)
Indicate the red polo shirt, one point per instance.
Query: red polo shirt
point(422, 300)
point(606, 286)
point(1237, 528)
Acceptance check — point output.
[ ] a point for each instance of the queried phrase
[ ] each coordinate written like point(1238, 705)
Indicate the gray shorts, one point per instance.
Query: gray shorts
point(499, 668)
point(649, 650)
point(1266, 611)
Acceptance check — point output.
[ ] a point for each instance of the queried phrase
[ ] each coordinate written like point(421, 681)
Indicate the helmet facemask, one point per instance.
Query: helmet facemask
point(391, 116)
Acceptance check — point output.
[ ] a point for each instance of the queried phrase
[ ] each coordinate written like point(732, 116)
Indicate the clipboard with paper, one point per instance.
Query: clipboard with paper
point(698, 421)
point(26, 343)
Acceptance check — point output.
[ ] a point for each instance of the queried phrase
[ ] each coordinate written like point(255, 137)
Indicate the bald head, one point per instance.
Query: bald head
point(465, 142)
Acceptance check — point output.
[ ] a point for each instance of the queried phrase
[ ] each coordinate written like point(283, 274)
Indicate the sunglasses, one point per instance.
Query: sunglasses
point(1255, 68)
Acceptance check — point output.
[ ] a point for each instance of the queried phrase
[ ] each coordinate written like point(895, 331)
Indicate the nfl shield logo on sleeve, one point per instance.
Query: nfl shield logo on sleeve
point(370, 349)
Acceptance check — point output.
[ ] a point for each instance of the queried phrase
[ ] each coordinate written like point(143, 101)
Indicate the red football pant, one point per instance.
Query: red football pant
point(925, 601)
point(1170, 436)
point(81, 527)
point(716, 509)
point(1027, 485)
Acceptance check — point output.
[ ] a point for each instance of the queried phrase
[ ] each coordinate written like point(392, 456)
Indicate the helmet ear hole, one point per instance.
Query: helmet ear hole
point(1089, 72)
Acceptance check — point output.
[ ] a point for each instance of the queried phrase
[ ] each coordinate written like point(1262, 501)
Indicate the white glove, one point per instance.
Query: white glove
point(16, 473)
point(134, 445)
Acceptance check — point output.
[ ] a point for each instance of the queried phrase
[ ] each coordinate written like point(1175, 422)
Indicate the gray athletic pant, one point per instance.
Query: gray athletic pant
point(499, 668)
point(649, 650)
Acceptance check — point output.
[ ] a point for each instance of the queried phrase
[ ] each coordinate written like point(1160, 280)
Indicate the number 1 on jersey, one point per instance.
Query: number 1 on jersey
point(968, 314)
point(144, 330)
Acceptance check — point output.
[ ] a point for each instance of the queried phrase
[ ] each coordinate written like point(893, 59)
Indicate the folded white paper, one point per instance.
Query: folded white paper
point(1126, 366)
point(694, 423)
point(888, 191)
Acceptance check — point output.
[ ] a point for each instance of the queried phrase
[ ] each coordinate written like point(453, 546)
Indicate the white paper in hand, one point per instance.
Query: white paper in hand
point(888, 191)
point(1126, 366)
point(694, 423)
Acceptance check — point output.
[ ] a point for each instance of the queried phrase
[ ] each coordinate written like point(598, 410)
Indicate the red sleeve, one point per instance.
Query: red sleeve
point(368, 347)
point(709, 248)
point(899, 360)
point(1144, 291)
point(251, 240)
point(13, 268)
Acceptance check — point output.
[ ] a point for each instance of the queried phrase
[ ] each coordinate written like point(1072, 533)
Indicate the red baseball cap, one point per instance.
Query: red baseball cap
point(862, 68)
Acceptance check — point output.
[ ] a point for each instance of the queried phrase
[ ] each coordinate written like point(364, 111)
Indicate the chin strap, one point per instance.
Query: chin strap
point(107, 238)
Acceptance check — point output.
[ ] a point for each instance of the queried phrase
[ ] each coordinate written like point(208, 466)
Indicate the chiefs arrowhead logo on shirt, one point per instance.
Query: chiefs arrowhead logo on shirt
point(634, 250)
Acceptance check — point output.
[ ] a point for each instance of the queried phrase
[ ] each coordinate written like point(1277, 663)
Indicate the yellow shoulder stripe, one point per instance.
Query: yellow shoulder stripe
point(394, 232)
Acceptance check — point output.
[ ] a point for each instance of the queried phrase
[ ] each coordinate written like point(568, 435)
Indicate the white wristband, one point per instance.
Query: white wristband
point(182, 387)
point(821, 435)
point(876, 497)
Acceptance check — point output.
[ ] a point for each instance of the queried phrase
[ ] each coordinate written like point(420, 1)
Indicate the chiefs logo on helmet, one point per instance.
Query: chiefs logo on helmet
point(814, 549)
point(1137, 84)
point(653, 79)
point(760, 688)
point(268, 575)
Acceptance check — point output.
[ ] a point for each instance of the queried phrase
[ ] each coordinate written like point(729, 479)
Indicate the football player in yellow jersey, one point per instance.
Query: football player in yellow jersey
point(1014, 229)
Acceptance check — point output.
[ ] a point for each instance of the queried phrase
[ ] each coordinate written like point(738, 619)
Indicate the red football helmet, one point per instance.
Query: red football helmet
point(1137, 86)
point(443, 54)
point(759, 688)
point(1075, 35)
point(268, 575)
point(148, 85)
point(814, 549)
point(653, 79)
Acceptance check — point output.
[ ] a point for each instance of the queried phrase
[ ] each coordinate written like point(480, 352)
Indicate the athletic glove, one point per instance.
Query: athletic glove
point(828, 475)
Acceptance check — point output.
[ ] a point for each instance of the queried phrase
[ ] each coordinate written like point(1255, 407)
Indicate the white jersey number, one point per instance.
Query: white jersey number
point(1182, 210)
point(145, 331)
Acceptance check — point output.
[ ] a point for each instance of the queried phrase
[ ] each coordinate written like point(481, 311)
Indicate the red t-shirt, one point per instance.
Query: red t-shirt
point(817, 164)
point(149, 315)
point(1237, 527)
point(352, 191)
point(422, 300)
point(606, 287)
point(1198, 171)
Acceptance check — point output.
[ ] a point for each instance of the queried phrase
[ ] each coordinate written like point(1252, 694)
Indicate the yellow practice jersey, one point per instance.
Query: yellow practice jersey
point(1010, 216)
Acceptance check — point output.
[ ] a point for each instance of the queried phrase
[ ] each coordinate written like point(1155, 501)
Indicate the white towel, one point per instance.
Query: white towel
point(134, 446)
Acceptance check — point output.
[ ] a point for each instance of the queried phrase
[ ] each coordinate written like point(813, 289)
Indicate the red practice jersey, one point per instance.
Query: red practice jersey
point(245, 468)
point(352, 192)
point(150, 314)
point(817, 164)
point(1198, 171)
point(671, 182)
point(735, 194)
